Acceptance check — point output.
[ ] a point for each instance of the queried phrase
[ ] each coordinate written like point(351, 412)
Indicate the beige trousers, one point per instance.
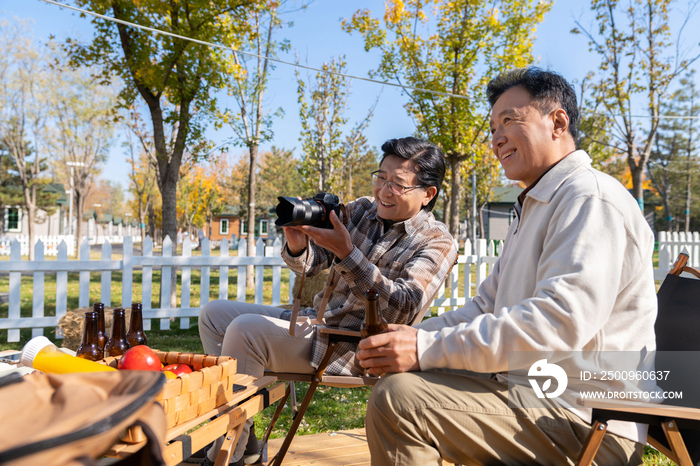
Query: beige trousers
point(417, 418)
point(258, 339)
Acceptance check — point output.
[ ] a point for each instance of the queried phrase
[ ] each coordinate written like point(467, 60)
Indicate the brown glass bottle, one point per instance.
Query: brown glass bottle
point(117, 344)
point(101, 335)
point(89, 348)
point(136, 336)
point(374, 323)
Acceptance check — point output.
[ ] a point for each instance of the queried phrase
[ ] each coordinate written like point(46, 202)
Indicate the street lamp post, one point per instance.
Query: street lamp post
point(127, 215)
point(70, 207)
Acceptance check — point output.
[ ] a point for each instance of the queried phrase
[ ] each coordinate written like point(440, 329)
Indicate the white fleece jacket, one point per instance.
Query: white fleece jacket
point(575, 274)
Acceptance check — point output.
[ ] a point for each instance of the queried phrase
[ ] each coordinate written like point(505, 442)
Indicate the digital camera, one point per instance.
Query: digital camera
point(314, 211)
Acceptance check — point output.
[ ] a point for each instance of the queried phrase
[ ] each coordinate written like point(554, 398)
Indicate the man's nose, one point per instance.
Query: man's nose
point(497, 140)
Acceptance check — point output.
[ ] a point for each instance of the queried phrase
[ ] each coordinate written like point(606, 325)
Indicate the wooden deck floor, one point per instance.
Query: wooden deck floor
point(345, 448)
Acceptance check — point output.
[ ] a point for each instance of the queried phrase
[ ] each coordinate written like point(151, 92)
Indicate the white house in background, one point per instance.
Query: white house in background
point(500, 211)
point(16, 222)
point(232, 226)
point(96, 228)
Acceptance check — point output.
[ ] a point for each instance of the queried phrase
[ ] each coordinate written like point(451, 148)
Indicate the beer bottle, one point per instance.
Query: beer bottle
point(101, 335)
point(117, 344)
point(374, 323)
point(89, 347)
point(136, 336)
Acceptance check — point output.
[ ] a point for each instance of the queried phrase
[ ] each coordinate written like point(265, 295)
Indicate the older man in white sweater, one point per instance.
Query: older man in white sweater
point(574, 279)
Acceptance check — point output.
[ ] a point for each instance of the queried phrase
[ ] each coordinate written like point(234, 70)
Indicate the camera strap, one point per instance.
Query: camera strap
point(330, 286)
point(328, 289)
point(297, 298)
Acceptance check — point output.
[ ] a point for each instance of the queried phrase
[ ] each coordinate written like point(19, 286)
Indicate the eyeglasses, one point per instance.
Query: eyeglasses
point(399, 190)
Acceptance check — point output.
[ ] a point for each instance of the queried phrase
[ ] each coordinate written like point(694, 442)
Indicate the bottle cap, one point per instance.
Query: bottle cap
point(32, 348)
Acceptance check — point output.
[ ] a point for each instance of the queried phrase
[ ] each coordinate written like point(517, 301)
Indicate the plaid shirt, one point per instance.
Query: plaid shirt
point(406, 264)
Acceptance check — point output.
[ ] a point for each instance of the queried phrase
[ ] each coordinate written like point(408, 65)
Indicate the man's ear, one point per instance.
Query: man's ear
point(561, 122)
point(430, 193)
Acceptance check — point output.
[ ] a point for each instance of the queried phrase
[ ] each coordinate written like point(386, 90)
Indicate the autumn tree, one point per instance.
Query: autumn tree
point(452, 47)
point(200, 196)
point(661, 166)
point(24, 113)
point(83, 113)
point(279, 176)
point(251, 122)
point(177, 79)
point(234, 179)
point(639, 61)
point(592, 134)
point(107, 196)
point(10, 184)
point(359, 161)
point(688, 100)
point(672, 163)
point(321, 111)
point(141, 157)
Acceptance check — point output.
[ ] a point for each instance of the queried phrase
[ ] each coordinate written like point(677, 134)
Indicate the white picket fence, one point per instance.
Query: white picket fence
point(484, 258)
point(671, 244)
point(51, 243)
point(449, 297)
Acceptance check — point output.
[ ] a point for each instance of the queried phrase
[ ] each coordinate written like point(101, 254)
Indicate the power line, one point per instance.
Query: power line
point(384, 83)
point(224, 47)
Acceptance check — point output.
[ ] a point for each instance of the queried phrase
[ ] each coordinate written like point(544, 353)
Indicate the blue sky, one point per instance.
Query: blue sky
point(317, 37)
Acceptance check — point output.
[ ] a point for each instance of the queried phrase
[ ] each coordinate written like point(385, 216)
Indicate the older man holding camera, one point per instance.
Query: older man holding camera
point(391, 243)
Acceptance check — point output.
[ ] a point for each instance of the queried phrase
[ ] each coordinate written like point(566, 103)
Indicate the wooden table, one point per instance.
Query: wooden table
point(180, 445)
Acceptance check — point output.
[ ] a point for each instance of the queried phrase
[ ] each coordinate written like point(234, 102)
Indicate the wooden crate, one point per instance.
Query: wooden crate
point(209, 386)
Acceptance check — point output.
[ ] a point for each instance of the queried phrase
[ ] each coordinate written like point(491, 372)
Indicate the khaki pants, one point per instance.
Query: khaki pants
point(417, 418)
point(256, 336)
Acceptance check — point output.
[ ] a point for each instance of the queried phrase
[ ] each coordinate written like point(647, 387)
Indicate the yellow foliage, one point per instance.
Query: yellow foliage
point(627, 180)
point(394, 11)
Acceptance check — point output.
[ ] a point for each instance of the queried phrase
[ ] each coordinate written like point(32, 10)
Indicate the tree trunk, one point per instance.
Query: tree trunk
point(169, 195)
point(78, 224)
point(250, 238)
point(637, 182)
point(482, 229)
point(447, 206)
point(31, 214)
point(687, 199)
point(142, 221)
point(453, 226)
point(669, 215)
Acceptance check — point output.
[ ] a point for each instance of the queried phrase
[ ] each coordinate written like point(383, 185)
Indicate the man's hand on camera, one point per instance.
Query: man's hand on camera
point(336, 240)
point(296, 240)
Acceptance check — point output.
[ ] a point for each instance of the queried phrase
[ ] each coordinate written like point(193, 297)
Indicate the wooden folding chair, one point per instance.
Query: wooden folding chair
point(335, 336)
point(673, 430)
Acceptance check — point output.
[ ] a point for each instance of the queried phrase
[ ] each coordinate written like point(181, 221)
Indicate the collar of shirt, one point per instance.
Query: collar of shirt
point(564, 168)
point(558, 174)
point(410, 225)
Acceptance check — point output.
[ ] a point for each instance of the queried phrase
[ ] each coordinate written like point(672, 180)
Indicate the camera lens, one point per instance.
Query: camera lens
point(292, 211)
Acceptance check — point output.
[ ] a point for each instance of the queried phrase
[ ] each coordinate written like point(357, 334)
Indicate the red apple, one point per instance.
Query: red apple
point(178, 369)
point(139, 358)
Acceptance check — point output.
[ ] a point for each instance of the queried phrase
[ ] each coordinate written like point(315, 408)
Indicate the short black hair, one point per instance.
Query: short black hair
point(427, 158)
point(547, 88)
